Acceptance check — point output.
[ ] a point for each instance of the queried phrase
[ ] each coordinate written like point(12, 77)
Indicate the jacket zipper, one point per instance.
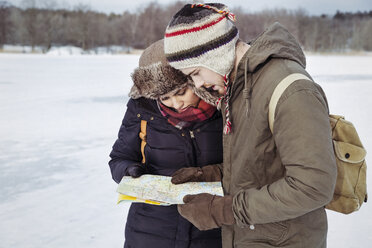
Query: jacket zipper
point(192, 134)
point(194, 144)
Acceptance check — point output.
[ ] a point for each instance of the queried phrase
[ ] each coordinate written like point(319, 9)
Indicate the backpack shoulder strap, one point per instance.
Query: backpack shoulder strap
point(142, 135)
point(278, 91)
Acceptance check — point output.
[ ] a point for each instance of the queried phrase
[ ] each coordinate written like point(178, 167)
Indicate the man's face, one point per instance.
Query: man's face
point(204, 77)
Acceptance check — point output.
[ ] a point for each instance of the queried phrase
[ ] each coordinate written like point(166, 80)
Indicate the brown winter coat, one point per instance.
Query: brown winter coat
point(280, 182)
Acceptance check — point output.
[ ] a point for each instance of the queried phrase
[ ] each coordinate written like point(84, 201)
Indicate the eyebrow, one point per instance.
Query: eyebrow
point(192, 72)
point(162, 98)
point(178, 91)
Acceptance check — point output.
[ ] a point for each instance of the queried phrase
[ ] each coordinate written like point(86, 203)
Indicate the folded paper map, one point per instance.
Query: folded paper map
point(159, 190)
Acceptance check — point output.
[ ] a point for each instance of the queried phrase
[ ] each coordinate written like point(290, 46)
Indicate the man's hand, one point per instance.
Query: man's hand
point(209, 173)
point(135, 170)
point(206, 211)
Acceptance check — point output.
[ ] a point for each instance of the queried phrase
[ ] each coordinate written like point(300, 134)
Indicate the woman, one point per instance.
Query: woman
point(182, 130)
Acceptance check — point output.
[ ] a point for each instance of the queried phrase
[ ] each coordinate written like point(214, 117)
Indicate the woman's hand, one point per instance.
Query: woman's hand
point(135, 170)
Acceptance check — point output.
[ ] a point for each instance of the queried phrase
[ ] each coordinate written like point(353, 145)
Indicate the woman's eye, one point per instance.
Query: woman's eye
point(182, 92)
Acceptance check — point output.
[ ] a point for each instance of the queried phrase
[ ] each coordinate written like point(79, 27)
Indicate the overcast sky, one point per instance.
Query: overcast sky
point(314, 7)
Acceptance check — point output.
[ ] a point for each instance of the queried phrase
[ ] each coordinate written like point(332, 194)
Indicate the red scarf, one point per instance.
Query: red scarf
point(188, 117)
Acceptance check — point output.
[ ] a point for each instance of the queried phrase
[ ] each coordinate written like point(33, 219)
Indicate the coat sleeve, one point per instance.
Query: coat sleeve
point(126, 149)
point(302, 135)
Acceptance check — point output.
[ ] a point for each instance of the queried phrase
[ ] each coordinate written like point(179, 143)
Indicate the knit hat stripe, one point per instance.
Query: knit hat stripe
point(194, 39)
point(206, 60)
point(194, 29)
point(177, 26)
point(204, 48)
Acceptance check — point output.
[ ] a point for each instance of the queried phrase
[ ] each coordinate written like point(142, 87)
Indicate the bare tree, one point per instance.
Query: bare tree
point(40, 22)
point(98, 32)
point(79, 25)
point(152, 21)
point(367, 35)
point(4, 22)
point(146, 25)
point(249, 24)
point(123, 29)
point(29, 21)
point(48, 22)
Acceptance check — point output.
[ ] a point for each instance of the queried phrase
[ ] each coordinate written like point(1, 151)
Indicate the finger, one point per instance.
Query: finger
point(178, 172)
point(202, 197)
point(182, 175)
point(189, 198)
point(136, 175)
point(135, 172)
point(177, 176)
point(178, 179)
point(180, 209)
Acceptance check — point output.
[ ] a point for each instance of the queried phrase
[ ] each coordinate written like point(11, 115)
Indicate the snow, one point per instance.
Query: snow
point(21, 49)
point(71, 50)
point(66, 50)
point(59, 118)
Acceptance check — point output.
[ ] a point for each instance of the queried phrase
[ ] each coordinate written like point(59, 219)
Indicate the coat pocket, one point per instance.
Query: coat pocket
point(270, 233)
point(350, 190)
point(274, 232)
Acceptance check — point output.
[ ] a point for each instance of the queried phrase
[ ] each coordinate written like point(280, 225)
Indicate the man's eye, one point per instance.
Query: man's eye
point(195, 73)
point(164, 99)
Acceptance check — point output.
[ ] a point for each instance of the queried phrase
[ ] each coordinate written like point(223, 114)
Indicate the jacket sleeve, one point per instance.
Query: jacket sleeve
point(126, 149)
point(302, 135)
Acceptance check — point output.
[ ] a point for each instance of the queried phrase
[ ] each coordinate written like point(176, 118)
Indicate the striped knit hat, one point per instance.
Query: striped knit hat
point(202, 35)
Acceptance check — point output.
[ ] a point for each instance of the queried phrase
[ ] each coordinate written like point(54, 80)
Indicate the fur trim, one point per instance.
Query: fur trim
point(207, 96)
point(156, 80)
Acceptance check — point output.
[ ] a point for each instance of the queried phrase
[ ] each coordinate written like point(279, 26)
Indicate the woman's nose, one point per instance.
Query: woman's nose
point(177, 103)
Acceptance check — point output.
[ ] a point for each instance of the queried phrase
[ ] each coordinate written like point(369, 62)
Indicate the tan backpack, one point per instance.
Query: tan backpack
point(351, 188)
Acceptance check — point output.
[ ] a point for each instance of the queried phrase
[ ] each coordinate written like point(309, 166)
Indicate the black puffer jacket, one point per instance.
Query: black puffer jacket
point(168, 149)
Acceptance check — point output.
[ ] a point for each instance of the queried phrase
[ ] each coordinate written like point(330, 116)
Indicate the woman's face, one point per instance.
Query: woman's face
point(204, 77)
point(180, 100)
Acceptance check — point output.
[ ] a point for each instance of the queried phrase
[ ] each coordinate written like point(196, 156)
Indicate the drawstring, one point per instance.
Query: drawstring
point(247, 92)
point(226, 97)
point(226, 12)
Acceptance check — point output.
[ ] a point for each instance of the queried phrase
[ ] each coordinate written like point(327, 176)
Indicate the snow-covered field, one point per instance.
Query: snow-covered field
point(65, 50)
point(59, 116)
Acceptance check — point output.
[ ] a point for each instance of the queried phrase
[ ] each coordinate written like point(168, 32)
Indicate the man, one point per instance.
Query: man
point(276, 184)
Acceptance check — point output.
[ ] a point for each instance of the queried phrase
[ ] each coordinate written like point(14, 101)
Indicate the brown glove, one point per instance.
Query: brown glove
point(206, 211)
point(209, 173)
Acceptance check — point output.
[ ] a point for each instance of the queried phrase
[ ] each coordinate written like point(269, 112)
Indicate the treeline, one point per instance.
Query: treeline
point(50, 25)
